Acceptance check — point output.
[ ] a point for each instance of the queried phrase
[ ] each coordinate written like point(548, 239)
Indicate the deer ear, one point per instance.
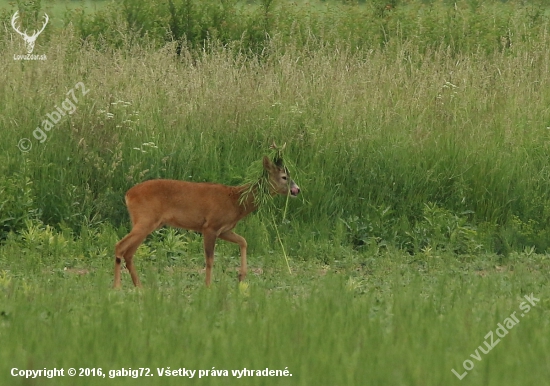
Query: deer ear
point(268, 165)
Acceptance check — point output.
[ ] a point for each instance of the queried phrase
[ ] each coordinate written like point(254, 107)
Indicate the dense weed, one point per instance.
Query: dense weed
point(387, 109)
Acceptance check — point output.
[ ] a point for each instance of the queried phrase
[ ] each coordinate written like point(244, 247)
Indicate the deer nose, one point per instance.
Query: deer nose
point(295, 190)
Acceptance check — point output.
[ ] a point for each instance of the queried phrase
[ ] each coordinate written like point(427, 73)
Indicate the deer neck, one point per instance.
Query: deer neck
point(246, 198)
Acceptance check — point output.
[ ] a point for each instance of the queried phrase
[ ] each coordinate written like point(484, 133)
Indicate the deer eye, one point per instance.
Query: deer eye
point(284, 178)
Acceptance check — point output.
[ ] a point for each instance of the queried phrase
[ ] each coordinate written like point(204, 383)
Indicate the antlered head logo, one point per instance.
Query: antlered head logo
point(29, 40)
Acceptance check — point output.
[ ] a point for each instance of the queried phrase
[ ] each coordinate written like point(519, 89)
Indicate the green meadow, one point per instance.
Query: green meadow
point(417, 250)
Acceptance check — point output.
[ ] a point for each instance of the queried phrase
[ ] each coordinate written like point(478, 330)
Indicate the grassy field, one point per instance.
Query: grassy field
point(393, 319)
point(417, 131)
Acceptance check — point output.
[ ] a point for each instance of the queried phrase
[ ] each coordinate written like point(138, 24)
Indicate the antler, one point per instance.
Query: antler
point(274, 146)
point(13, 19)
point(278, 160)
point(43, 26)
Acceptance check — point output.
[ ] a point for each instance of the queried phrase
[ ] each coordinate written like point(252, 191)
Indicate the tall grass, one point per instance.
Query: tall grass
point(379, 135)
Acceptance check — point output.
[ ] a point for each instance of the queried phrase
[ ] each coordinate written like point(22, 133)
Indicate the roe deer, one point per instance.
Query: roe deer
point(211, 209)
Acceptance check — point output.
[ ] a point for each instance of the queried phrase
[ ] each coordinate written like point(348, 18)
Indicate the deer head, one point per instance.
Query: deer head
point(279, 178)
point(29, 40)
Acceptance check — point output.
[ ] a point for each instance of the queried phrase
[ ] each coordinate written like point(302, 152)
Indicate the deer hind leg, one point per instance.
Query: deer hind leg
point(235, 238)
point(209, 246)
point(126, 248)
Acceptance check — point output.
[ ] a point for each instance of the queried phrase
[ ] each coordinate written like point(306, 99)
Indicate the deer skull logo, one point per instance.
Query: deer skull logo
point(29, 40)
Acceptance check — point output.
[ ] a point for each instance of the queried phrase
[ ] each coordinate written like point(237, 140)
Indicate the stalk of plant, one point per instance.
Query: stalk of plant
point(259, 185)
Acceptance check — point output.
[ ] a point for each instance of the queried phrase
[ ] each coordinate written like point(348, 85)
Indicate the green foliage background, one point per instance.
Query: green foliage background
point(412, 124)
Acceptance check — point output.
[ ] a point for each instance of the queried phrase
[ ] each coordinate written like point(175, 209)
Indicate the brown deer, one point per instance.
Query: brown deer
point(211, 209)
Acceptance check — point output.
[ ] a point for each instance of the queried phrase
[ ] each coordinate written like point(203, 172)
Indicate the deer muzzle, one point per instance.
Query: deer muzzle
point(294, 189)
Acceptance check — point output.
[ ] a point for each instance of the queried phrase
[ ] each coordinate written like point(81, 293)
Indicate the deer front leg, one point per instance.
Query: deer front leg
point(232, 237)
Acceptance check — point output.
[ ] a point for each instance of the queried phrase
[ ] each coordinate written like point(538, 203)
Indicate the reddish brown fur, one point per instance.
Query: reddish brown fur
point(212, 209)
